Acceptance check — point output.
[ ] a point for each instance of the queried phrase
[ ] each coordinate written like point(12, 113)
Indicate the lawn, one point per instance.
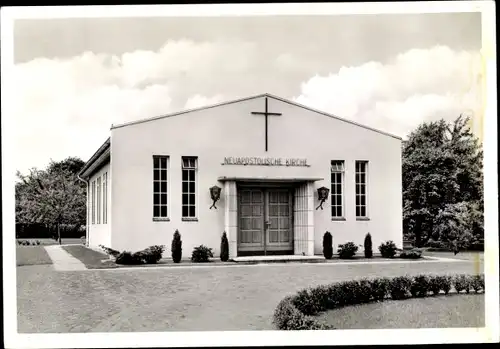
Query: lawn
point(31, 255)
point(91, 258)
point(457, 310)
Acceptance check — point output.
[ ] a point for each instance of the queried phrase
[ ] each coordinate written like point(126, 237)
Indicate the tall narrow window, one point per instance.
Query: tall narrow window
point(361, 182)
point(93, 202)
point(105, 198)
point(99, 200)
point(189, 167)
point(160, 192)
point(337, 189)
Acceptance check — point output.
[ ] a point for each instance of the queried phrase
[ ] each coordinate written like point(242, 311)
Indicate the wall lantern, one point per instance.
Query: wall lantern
point(322, 196)
point(215, 195)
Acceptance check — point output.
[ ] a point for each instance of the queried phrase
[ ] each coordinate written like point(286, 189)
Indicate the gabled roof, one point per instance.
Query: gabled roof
point(247, 99)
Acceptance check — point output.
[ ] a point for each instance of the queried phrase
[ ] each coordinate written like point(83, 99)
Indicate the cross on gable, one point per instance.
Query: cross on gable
point(266, 113)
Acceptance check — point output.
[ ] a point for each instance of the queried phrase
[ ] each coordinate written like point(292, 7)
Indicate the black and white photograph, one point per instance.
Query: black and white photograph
point(249, 174)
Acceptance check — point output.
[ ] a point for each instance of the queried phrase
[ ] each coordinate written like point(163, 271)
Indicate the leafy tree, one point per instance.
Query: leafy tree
point(70, 164)
point(52, 197)
point(442, 181)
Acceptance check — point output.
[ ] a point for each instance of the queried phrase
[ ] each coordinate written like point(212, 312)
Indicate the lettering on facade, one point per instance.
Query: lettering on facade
point(258, 161)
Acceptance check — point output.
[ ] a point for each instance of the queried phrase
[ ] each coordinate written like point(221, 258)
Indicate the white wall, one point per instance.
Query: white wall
point(99, 234)
point(232, 130)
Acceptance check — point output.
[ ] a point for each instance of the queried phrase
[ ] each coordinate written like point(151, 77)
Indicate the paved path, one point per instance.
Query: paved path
point(62, 260)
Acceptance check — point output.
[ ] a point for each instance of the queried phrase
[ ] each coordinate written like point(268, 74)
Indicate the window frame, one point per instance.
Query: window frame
point(93, 201)
point(334, 170)
point(357, 193)
point(105, 198)
point(187, 165)
point(99, 197)
point(161, 204)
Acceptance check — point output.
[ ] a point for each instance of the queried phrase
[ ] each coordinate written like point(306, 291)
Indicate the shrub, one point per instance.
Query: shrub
point(436, 244)
point(127, 258)
point(176, 247)
point(288, 317)
point(110, 251)
point(444, 283)
point(434, 285)
point(224, 248)
point(364, 291)
point(308, 303)
point(347, 250)
point(388, 249)
point(411, 254)
point(380, 287)
point(477, 283)
point(420, 286)
point(462, 282)
point(399, 287)
point(328, 245)
point(368, 246)
point(296, 312)
point(152, 254)
point(201, 254)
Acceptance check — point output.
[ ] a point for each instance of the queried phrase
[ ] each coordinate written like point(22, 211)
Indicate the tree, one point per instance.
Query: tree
point(442, 167)
point(52, 197)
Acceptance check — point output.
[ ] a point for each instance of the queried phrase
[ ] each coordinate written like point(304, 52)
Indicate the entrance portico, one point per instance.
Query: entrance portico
point(269, 216)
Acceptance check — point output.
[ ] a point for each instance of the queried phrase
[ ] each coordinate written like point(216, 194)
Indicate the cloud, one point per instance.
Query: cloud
point(199, 101)
point(417, 85)
point(65, 107)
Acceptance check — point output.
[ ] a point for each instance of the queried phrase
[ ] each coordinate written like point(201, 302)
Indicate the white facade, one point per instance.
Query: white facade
point(213, 134)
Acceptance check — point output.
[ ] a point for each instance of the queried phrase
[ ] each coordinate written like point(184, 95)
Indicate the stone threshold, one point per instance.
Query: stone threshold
point(278, 259)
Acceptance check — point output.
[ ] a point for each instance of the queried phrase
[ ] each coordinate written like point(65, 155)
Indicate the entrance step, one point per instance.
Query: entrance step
point(278, 259)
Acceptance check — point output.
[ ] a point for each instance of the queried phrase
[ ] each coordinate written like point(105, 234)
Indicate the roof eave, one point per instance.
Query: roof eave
point(100, 156)
point(250, 98)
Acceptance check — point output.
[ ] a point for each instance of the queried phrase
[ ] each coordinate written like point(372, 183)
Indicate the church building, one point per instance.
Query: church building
point(273, 174)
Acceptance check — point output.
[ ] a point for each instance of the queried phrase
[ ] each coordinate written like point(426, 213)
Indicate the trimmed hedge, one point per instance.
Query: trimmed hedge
point(368, 246)
point(411, 254)
point(327, 245)
point(224, 248)
point(28, 242)
point(297, 312)
point(176, 247)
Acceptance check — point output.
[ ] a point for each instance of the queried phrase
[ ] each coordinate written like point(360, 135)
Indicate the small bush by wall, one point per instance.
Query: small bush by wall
point(110, 251)
point(128, 258)
point(368, 246)
point(176, 248)
point(297, 312)
point(347, 250)
point(224, 248)
point(388, 249)
point(328, 245)
point(201, 254)
point(150, 255)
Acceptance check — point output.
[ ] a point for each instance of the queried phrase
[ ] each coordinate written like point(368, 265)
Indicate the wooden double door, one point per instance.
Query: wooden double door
point(265, 221)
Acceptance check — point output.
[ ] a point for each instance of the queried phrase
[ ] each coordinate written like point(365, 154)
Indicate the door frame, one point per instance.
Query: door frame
point(265, 186)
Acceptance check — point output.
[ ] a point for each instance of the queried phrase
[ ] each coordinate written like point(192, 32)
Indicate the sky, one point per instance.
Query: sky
point(77, 77)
